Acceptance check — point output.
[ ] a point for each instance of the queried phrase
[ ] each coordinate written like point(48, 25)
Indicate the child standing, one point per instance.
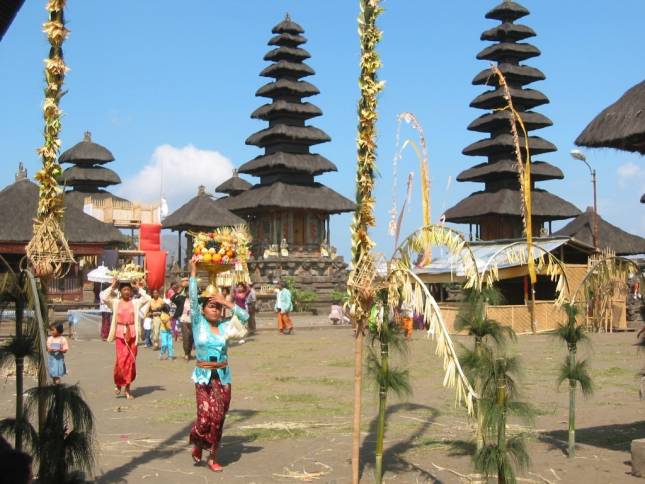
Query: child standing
point(147, 332)
point(165, 334)
point(57, 347)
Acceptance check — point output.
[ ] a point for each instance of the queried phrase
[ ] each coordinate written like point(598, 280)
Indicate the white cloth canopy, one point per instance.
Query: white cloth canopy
point(100, 274)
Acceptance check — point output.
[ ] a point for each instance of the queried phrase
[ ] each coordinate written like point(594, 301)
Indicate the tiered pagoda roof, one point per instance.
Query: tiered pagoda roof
point(501, 194)
point(87, 175)
point(287, 168)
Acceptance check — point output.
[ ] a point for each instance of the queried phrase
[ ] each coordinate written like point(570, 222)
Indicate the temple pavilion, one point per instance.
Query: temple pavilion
point(495, 211)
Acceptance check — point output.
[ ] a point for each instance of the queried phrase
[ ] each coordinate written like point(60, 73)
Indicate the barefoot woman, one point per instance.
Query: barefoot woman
point(212, 376)
point(125, 331)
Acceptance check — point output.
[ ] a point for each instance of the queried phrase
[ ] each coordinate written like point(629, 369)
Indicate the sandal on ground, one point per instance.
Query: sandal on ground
point(197, 455)
point(117, 390)
point(129, 396)
point(214, 466)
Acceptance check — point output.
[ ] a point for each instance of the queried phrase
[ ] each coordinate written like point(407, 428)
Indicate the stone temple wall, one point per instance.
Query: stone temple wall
point(314, 273)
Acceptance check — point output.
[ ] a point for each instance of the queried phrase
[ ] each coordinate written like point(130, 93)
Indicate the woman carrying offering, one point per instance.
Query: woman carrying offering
point(212, 376)
point(125, 331)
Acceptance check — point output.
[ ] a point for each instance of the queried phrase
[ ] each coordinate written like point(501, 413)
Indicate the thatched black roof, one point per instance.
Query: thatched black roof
point(508, 50)
point(233, 185)
point(309, 163)
point(620, 126)
point(491, 122)
point(287, 26)
point(286, 88)
point(287, 39)
point(283, 67)
point(282, 108)
point(609, 236)
point(86, 152)
point(283, 133)
point(508, 31)
point(523, 99)
point(201, 214)
point(514, 74)
point(501, 196)
point(8, 11)
point(643, 198)
point(507, 202)
point(89, 175)
point(286, 195)
point(503, 143)
point(483, 172)
point(18, 206)
point(507, 11)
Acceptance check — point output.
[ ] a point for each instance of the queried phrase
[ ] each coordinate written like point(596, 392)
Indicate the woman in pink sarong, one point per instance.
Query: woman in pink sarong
point(125, 332)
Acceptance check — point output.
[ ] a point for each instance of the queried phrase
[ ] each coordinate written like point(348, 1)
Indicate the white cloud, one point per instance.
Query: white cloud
point(176, 172)
point(629, 173)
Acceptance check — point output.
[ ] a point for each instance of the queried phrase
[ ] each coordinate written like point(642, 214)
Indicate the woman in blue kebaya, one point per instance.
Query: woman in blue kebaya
point(212, 375)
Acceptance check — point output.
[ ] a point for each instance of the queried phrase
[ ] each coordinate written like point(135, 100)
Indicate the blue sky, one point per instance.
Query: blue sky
point(163, 85)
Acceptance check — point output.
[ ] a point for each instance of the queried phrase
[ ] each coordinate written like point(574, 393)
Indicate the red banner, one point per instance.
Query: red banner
point(155, 269)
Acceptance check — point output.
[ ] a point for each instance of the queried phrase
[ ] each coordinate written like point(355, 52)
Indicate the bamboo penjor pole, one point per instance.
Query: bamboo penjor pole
point(370, 86)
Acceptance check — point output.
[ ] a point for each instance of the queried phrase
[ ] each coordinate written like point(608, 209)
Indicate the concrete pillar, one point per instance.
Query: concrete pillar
point(638, 457)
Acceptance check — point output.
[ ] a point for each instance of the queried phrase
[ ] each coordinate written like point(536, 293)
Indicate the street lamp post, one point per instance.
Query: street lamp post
point(578, 155)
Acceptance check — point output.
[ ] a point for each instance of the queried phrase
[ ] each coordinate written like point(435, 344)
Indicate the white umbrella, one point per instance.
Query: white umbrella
point(100, 274)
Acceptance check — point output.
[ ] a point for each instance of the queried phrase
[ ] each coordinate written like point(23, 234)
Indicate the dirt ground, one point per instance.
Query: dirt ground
point(290, 417)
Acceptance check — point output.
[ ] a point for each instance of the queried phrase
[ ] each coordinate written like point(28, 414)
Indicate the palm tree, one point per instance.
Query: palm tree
point(364, 215)
point(577, 372)
point(66, 445)
point(386, 336)
point(500, 454)
point(16, 350)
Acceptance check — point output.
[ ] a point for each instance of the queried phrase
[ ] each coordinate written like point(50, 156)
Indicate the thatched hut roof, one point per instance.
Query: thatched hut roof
point(285, 195)
point(609, 236)
point(508, 202)
point(643, 198)
point(18, 206)
point(201, 214)
point(233, 185)
point(8, 11)
point(86, 152)
point(620, 126)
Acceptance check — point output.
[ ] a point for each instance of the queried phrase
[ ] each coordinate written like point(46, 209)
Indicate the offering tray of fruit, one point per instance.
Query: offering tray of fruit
point(224, 249)
point(128, 272)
